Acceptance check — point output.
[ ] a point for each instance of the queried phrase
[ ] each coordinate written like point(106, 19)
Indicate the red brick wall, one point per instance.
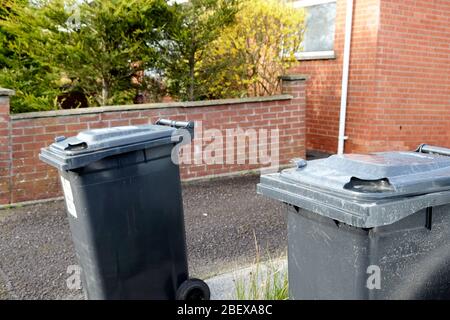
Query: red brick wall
point(323, 92)
point(399, 85)
point(32, 179)
point(324, 78)
point(5, 148)
point(412, 76)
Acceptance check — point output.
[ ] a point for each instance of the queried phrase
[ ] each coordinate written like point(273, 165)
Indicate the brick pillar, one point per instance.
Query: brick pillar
point(5, 147)
point(295, 85)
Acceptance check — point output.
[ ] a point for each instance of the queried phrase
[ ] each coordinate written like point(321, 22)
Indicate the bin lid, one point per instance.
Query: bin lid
point(92, 145)
point(378, 175)
point(353, 187)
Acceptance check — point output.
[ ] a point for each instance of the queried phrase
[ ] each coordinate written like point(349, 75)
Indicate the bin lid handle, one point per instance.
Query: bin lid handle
point(76, 146)
point(299, 163)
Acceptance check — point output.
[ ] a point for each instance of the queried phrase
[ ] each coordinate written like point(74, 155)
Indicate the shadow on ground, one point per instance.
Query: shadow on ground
point(223, 217)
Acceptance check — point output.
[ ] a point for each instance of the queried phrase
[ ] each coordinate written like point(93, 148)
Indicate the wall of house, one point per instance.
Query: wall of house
point(24, 177)
point(323, 92)
point(399, 84)
point(412, 77)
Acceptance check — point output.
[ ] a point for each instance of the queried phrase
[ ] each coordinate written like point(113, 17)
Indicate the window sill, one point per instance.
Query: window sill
point(317, 55)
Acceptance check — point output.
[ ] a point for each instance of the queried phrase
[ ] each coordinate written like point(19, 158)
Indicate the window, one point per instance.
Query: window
point(320, 22)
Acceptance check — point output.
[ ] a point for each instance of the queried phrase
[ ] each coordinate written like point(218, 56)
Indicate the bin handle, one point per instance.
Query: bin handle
point(425, 148)
point(176, 124)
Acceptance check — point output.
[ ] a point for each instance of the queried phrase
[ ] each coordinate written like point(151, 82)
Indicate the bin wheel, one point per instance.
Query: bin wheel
point(193, 290)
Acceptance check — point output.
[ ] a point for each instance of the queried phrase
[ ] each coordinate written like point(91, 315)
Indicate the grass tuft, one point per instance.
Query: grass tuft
point(268, 281)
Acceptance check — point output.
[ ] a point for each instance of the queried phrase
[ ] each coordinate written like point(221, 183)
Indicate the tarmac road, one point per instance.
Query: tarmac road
point(223, 219)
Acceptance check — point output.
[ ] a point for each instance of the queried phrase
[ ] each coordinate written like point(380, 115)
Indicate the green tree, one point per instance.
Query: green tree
point(5, 37)
point(4, 52)
point(195, 25)
point(35, 85)
point(97, 46)
point(250, 55)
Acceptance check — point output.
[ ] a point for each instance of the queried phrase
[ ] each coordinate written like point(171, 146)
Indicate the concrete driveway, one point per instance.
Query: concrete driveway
point(223, 219)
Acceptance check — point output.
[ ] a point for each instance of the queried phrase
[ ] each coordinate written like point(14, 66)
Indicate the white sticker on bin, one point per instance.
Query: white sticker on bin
point(69, 197)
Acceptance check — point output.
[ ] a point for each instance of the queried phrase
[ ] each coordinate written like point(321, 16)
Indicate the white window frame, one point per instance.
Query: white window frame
point(313, 55)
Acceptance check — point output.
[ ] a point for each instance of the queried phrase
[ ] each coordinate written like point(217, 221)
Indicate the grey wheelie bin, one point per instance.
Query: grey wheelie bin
point(373, 226)
point(123, 198)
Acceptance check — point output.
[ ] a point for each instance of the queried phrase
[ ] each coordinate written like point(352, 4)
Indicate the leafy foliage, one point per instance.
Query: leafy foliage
point(36, 89)
point(124, 51)
point(250, 55)
point(98, 47)
point(35, 85)
point(196, 25)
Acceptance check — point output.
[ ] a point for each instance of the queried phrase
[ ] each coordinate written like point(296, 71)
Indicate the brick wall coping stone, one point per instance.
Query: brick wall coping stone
point(294, 77)
point(6, 92)
point(189, 104)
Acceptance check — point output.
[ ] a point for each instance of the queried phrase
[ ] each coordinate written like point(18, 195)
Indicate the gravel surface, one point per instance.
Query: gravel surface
point(223, 219)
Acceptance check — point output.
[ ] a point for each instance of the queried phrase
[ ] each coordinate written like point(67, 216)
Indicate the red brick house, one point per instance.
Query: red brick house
point(398, 80)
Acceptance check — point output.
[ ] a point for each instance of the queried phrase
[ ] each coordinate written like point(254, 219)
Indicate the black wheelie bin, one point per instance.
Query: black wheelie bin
point(123, 197)
point(374, 226)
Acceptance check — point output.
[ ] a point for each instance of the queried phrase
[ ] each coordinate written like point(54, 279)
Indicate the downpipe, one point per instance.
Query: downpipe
point(345, 73)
